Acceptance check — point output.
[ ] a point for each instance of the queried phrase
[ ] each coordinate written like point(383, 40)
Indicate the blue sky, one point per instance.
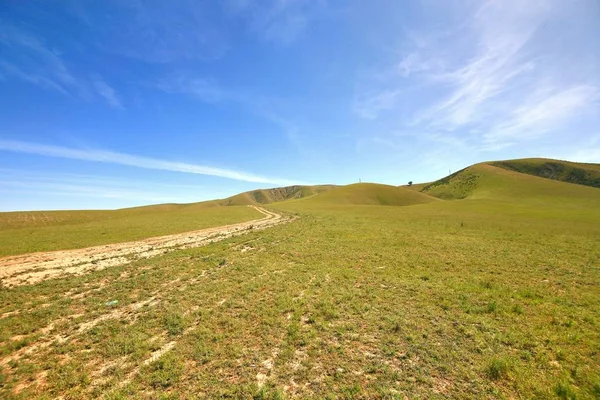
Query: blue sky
point(120, 103)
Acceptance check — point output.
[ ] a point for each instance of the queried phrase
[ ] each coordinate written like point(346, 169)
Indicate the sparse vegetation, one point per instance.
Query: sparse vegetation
point(351, 300)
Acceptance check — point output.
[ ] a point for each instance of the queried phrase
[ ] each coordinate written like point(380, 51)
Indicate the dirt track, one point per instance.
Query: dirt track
point(35, 267)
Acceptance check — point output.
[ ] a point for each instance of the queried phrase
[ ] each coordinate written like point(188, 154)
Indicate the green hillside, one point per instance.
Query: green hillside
point(487, 181)
point(371, 194)
point(267, 196)
point(579, 173)
point(487, 290)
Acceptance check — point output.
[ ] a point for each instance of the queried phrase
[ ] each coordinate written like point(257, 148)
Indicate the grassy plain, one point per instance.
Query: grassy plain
point(26, 232)
point(492, 296)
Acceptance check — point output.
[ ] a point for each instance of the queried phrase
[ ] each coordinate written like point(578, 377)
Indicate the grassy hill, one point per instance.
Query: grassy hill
point(579, 173)
point(489, 181)
point(492, 294)
point(371, 194)
point(268, 196)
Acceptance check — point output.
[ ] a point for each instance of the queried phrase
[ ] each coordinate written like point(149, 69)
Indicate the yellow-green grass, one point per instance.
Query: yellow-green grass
point(267, 196)
point(369, 194)
point(25, 232)
point(579, 173)
point(485, 181)
point(456, 299)
point(496, 295)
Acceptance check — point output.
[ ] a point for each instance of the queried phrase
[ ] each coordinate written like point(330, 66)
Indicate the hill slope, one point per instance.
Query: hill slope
point(579, 173)
point(487, 181)
point(267, 196)
point(371, 194)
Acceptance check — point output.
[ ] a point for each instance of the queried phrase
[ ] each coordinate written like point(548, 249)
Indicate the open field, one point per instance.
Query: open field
point(32, 268)
point(26, 232)
point(496, 295)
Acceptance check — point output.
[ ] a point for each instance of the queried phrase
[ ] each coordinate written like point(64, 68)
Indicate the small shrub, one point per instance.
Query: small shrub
point(202, 353)
point(69, 376)
point(564, 391)
point(166, 371)
point(497, 369)
point(487, 284)
point(174, 323)
point(492, 307)
point(517, 309)
point(596, 390)
point(268, 392)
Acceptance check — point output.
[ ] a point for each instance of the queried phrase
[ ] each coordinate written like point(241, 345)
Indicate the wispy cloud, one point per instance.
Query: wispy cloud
point(203, 89)
point(99, 187)
point(157, 32)
point(111, 157)
point(495, 80)
point(279, 21)
point(502, 33)
point(210, 91)
point(35, 62)
point(108, 93)
point(544, 112)
point(370, 105)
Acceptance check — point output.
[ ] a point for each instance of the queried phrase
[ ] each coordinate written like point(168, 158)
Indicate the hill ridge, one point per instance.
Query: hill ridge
point(586, 174)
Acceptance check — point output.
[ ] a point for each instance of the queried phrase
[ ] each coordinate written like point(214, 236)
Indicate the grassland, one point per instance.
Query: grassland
point(369, 194)
point(493, 296)
point(268, 196)
point(581, 174)
point(26, 232)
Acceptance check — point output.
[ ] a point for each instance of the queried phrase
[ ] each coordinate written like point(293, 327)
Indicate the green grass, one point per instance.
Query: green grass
point(491, 183)
point(368, 194)
point(25, 232)
point(268, 196)
point(579, 173)
point(493, 296)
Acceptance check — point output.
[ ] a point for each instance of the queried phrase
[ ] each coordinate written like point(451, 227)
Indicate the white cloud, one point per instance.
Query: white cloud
point(99, 187)
point(203, 89)
point(500, 32)
point(589, 155)
point(413, 63)
point(544, 112)
point(134, 161)
point(209, 91)
point(495, 80)
point(369, 106)
point(35, 62)
point(108, 93)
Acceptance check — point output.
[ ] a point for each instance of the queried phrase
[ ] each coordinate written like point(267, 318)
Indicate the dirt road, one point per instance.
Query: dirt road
point(35, 267)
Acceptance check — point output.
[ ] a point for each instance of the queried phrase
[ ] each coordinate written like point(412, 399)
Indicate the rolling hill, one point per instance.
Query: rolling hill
point(532, 184)
point(371, 194)
point(566, 171)
point(483, 284)
point(268, 196)
point(498, 181)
